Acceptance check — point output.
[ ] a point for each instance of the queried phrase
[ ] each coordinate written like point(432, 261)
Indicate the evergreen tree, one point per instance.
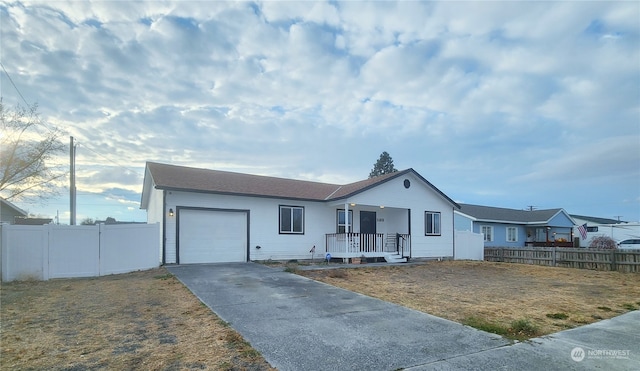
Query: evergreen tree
point(384, 165)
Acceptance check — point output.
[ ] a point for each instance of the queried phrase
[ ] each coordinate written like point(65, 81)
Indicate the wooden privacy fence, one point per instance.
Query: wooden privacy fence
point(606, 260)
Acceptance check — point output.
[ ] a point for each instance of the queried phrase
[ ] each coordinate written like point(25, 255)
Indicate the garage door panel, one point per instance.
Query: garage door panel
point(208, 236)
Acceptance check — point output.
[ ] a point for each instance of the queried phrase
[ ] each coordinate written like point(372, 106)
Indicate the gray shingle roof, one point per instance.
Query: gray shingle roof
point(171, 177)
point(597, 220)
point(488, 213)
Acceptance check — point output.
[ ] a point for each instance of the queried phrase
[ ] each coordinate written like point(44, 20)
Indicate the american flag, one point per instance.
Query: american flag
point(583, 231)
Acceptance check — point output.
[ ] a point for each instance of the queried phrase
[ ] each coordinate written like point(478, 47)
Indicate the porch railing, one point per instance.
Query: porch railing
point(354, 242)
point(404, 245)
point(362, 243)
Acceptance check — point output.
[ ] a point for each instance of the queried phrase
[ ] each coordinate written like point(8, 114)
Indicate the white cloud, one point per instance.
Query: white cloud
point(486, 94)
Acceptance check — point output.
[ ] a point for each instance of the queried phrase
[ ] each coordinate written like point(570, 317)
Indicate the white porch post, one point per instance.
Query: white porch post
point(346, 227)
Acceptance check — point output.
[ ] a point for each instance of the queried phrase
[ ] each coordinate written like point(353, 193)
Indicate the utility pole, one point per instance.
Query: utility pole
point(72, 181)
point(531, 208)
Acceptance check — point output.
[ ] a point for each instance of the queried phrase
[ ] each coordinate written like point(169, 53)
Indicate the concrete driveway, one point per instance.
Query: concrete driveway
point(300, 324)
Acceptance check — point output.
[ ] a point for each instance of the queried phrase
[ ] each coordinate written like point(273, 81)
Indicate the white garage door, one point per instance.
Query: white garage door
point(208, 236)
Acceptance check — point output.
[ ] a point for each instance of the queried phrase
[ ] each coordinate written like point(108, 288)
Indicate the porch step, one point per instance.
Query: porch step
point(395, 258)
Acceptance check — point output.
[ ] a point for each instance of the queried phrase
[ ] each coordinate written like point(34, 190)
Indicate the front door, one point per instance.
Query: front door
point(367, 231)
point(368, 222)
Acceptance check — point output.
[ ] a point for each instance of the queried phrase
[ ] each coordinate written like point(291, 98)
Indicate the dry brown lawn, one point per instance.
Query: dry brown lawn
point(144, 320)
point(148, 320)
point(496, 293)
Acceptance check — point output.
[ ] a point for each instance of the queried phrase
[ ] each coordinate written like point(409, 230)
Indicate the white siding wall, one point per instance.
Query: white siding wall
point(419, 198)
point(263, 224)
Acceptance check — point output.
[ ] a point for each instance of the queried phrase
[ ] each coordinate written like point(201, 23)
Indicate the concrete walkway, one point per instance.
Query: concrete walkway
point(300, 324)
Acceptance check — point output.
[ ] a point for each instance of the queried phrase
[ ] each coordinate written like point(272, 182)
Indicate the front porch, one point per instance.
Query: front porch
point(369, 245)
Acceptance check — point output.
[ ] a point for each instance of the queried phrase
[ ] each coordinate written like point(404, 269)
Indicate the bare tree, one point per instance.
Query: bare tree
point(26, 154)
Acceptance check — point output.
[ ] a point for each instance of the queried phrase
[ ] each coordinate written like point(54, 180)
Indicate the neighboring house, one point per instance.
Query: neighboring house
point(9, 212)
point(32, 221)
point(514, 228)
point(218, 216)
point(595, 227)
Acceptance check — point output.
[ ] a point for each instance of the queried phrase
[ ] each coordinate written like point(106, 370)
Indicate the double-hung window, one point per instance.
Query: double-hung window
point(512, 234)
point(432, 223)
point(291, 219)
point(487, 231)
point(342, 225)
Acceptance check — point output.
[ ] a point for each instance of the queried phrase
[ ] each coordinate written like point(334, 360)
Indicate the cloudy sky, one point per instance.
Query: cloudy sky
point(497, 103)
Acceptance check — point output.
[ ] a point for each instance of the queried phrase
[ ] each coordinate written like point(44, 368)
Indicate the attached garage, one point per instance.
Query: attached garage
point(212, 235)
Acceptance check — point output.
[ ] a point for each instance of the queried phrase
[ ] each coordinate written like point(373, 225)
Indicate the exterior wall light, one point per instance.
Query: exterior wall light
point(170, 212)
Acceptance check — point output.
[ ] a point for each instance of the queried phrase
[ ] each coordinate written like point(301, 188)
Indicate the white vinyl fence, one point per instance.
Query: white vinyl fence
point(57, 251)
point(469, 246)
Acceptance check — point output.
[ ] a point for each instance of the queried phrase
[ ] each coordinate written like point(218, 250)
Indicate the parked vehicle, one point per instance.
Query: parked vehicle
point(633, 244)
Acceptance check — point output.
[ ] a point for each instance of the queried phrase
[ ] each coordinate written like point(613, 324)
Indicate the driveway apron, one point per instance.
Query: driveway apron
point(300, 324)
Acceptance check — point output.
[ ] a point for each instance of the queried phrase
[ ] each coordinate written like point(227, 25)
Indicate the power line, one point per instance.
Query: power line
point(65, 131)
point(38, 120)
point(14, 84)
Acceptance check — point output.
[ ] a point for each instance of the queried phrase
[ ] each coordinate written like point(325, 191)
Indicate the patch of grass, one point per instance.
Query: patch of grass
point(557, 315)
point(237, 342)
point(606, 309)
point(629, 306)
point(269, 262)
point(523, 329)
point(338, 273)
point(292, 269)
point(163, 277)
point(485, 325)
point(519, 330)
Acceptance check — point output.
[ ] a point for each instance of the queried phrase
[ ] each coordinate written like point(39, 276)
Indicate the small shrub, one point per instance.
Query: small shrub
point(557, 315)
point(603, 242)
point(292, 269)
point(523, 328)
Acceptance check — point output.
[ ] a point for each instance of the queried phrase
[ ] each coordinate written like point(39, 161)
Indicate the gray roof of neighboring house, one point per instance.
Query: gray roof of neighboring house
point(172, 177)
point(499, 214)
point(12, 206)
point(597, 220)
point(32, 221)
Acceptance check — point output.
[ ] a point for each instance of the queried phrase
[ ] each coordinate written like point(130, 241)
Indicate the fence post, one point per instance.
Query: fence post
point(613, 260)
point(553, 252)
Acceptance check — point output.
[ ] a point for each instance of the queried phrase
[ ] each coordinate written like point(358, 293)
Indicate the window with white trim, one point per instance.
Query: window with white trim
point(487, 231)
point(341, 222)
point(512, 234)
point(431, 223)
point(291, 219)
